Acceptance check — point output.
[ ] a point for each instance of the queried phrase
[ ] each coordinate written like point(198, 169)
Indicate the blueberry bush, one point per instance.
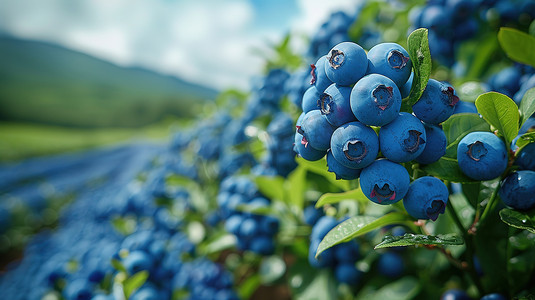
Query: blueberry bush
point(393, 159)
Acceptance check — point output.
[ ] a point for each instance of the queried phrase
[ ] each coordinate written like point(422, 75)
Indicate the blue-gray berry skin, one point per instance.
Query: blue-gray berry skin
point(308, 153)
point(482, 155)
point(526, 158)
point(341, 171)
point(316, 131)
point(310, 99)
point(347, 273)
point(346, 63)
point(426, 198)
point(435, 145)
point(518, 190)
point(334, 105)
point(390, 60)
point(354, 145)
point(405, 90)
point(384, 182)
point(436, 104)
point(403, 139)
point(319, 77)
point(375, 100)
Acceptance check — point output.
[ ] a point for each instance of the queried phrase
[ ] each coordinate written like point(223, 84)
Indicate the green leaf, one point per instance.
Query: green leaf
point(458, 126)
point(410, 239)
point(320, 167)
point(525, 139)
point(134, 282)
point(219, 244)
point(331, 198)
point(321, 287)
point(519, 219)
point(405, 288)
point(517, 45)
point(527, 106)
point(271, 186)
point(247, 287)
point(296, 186)
point(421, 63)
point(447, 169)
point(501, 112)
point(357, 226)
point(118, 265)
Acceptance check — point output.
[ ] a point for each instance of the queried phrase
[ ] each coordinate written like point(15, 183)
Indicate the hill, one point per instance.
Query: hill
point(46, 83)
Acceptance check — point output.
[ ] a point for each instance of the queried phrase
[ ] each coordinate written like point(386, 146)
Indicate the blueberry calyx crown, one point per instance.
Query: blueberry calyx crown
point(437, 207)
point(304, 140)
point(336, 58)
point(476, 150)
point(382, 95)
point(413, 142)
point(355, 150)
point(324, 103)
point(313, 74)
point(397, 60)
point(383, 193)
point(452, 99)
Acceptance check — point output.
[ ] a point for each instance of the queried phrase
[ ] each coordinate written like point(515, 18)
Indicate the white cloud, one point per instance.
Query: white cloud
point(208, 42)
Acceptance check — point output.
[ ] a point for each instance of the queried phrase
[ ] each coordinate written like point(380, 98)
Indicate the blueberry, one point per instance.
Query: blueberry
point(354, 145)
point(346, 63)
point(375, 100)
point(322, 227)
point(526, 158)
point(316, 131)
point(391, 265)
point(507, 81)
point(403, 139)
point(341, 171)
point(319, 76)
point(249, 228)
point(390, 60)
point(384, 182)
point(233, 223)
point(426, 198)
point(78, 289)
point(347, 252)
point(262, 244)
point(517, 190)
point(137, 261)
point(405, 90)
point(437, 102)
point(347, 273)
point(311, 215)
point(455, 294)
point(494, 296)
point(436, 18)
point(465, 107)
point(482, 155)
point(307, 153)
point(334, 105)
point(435, 146)
point(310, 99)
point(325, 259)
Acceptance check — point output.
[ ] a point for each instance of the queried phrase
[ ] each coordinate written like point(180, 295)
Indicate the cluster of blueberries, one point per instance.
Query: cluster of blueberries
point(351, 94)
point(253, 231)
point(450, 22)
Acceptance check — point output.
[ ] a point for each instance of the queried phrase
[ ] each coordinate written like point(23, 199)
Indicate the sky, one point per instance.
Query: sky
point(209, 42)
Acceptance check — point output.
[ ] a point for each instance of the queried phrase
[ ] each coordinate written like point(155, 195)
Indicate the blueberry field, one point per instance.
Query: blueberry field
point(392, 158)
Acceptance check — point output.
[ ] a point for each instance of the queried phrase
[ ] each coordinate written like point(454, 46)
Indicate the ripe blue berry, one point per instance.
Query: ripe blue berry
point(494, 296)
point(346, 63)
point(347, 273)
point(319, 77)
point(310, 99)
point(517, 190)
point(354, 145)
point(316, 131)
point(482, 155)
point(435, 146)
point(307, 153)
point(403, 139)
point(341, 171)
point(391, 265)
point(334, 105)
point(526, 158)
point(426, 198)
point(375, 100)
point(390, 60)
point(437, 102)
point(384, 182)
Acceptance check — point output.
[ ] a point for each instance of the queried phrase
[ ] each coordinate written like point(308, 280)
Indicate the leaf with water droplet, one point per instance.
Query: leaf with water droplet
point(410, 239)
point(519, 219)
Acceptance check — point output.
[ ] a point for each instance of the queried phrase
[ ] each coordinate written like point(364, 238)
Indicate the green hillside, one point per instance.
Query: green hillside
point(45, 83)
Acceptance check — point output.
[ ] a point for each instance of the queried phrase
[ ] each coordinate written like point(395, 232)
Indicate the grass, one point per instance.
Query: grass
point(25, 140)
